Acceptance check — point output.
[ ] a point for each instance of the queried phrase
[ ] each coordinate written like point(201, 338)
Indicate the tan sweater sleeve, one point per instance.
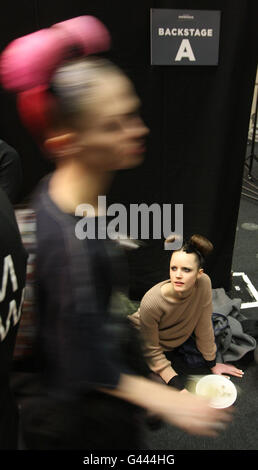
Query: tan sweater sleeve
point(204, 333)
point(149, 315)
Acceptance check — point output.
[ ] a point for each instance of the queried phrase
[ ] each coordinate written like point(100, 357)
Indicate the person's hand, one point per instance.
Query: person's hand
point(194, 415)
point(185, 410)
point(220, 369)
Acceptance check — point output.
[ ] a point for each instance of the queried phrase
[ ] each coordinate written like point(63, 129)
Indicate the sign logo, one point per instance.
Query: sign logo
point(184, 37)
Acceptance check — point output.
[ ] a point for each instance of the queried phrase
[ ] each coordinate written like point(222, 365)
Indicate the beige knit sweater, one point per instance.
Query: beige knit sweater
point(166, 324)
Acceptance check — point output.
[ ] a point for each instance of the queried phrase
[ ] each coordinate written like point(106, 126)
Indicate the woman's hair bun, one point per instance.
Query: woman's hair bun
point(31, 60)
point(201, 244)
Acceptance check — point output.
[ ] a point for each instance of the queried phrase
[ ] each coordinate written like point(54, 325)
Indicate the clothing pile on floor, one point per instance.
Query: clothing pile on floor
point(233, 342)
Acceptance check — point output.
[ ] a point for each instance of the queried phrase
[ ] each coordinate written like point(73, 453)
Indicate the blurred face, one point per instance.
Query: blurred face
point(113, 136)
point(184, 271)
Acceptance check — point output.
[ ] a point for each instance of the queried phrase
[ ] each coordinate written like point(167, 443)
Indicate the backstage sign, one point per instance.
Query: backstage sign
point(184, 37)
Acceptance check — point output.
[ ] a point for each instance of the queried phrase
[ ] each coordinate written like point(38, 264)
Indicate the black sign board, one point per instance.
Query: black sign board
point(184, 37)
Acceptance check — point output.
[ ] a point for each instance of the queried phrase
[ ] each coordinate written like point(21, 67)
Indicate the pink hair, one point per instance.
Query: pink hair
point(28, 64)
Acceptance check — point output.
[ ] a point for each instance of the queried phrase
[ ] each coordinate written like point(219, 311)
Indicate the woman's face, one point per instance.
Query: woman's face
point(184, 271)
point(113, 136)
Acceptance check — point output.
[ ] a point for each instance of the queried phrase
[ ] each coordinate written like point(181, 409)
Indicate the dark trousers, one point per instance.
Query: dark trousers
point(187, 360)
point(9, 421)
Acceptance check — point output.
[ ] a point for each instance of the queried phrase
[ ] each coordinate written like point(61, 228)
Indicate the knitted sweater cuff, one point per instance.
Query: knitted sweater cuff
point(177, 382)
point(211, 364)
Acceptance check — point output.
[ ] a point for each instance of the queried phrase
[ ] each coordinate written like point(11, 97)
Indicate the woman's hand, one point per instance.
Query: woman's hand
point(220, 369)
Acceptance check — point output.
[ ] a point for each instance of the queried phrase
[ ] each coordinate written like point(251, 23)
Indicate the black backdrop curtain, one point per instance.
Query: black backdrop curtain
point(198, 117)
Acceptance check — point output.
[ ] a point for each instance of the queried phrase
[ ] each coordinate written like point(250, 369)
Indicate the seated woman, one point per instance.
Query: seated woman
point(178, 312)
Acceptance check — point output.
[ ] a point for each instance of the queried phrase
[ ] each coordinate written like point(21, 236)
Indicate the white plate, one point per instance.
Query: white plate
point(218, 389)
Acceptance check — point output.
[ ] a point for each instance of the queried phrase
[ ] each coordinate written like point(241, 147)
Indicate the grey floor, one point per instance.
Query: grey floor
point(242, 433)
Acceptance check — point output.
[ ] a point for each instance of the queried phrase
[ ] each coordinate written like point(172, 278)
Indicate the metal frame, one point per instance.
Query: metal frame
point(250, 188)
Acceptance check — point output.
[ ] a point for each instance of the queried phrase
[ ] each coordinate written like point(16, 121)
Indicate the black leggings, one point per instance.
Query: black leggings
point(187, 360)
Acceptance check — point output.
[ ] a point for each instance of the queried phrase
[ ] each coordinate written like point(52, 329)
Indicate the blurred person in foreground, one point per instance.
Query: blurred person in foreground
point(83, 112)
point(13, 261)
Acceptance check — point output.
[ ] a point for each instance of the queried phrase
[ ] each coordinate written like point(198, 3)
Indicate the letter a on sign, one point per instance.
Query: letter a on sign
point(185, 50)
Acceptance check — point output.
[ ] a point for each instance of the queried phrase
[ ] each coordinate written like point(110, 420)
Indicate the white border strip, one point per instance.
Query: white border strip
point(251, 289)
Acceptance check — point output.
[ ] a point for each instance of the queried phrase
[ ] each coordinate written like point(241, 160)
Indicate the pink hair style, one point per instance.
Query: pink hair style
point(29, 61)
point(87, 32)
point(28, 64)
point(35, 106)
